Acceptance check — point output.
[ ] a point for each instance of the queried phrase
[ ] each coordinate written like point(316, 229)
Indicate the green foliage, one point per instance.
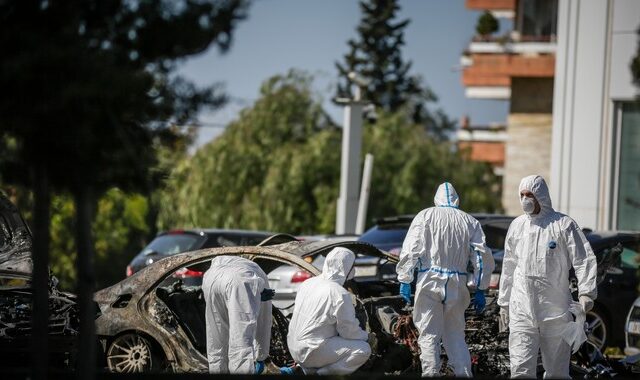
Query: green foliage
point(409, 166)
point(119, 229)
point(232, 181)
point(487, 24)
point(376, 55)
point(277, 168)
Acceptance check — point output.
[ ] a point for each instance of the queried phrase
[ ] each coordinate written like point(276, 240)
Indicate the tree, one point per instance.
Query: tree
point(277, 168)
point(376, 55)
point(487, 24)
point(227, 182)
point(92, 85)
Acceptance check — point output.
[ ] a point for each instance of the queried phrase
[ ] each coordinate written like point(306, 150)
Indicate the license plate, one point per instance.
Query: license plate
point(634, 327)
point(366, 271)
point(495, 281)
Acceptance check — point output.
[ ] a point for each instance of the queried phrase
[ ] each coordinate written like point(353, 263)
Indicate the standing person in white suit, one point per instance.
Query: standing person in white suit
point(540, 248)
point(238, 315)
point(440, 243)
point(325, 337)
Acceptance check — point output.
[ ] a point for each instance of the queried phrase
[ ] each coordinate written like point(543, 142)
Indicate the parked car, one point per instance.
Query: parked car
point(632, 329)
point(287, 279)
point(16, 296)
point(388, 233)
point(618, 290)
point(169, 243)
point(152, 320)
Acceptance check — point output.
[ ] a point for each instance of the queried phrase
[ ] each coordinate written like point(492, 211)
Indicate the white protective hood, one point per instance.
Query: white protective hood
point(338, 266)
point(538, 186)
point(446, 196)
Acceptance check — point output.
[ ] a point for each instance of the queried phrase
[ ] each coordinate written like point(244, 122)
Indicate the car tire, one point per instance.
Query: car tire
point(133, 353)
point(598, 328)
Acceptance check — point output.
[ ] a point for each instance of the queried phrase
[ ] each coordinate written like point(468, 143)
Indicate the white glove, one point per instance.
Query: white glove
point(586, 303)
point(504, 318)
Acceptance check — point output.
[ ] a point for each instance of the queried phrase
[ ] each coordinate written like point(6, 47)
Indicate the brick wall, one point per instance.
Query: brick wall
point(528, 152)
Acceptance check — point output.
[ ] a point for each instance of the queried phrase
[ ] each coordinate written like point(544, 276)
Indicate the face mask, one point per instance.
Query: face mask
point(528, 204)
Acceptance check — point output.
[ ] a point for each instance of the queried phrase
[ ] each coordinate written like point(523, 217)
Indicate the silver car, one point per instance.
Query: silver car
point(286, 279)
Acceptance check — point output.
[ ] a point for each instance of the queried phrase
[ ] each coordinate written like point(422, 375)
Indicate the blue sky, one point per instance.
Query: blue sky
point(312, 34)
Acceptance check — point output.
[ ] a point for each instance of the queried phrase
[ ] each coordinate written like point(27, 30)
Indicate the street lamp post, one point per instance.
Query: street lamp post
point(347, 209)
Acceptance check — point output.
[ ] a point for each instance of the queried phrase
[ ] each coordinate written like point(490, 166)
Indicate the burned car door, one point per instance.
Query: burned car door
point(15, 239)
point(16, 299)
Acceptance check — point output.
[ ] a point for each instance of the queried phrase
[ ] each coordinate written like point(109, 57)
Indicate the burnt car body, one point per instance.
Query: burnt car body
point(16, 299)
point(153, 321)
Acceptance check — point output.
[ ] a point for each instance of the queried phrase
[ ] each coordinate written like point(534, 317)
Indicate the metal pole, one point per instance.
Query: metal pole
point(350, 166)
point(365, 187)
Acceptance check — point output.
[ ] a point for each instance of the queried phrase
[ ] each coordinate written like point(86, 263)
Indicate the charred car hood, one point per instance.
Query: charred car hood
point(15, 240)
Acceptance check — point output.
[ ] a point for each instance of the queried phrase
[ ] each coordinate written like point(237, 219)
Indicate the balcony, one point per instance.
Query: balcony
point(499, 8)
point(489, 64)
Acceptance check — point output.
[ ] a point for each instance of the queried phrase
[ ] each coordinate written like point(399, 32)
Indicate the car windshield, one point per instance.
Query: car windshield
point(495, 237)
point(385, 237)
point(172, 244)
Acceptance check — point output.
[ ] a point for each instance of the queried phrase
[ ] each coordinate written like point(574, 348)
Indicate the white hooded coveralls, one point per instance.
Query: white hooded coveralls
point(238, 324)
point(539, 252)
point(324, 335)
point(440, 243)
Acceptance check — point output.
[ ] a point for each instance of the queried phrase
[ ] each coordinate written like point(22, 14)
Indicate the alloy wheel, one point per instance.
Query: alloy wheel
point(130, 353)
point(596, 329)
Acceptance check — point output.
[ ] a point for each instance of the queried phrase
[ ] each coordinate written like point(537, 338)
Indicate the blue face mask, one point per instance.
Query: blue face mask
point(528, 205)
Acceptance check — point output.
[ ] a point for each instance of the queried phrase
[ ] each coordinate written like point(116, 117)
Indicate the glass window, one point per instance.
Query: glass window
point(387, 238)
point(537, 19)
point(173, 243)
point(628, 211)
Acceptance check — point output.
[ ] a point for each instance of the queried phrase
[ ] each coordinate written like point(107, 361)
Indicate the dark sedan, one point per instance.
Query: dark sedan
point(169, 243)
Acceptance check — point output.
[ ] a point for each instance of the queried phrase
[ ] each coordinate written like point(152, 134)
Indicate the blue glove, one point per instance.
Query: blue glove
point(405, 292)
point(259, 367)
point(479, 301)
point(267, 294)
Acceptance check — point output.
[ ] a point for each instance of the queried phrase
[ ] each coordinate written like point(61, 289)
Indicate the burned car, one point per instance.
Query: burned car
point(16, 299)
point(153, 321)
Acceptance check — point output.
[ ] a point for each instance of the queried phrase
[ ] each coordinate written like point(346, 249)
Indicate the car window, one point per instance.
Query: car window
point(382, 234)
point(173, 243)
point(228, 241)
point(254, 239)
point(495, 236)
point(630, 256)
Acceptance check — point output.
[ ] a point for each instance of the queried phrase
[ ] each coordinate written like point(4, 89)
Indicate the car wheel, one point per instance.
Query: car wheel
point(597, 328)
point(131, 353)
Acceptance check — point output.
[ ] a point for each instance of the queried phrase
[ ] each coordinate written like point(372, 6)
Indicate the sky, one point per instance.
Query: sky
point(312, 35)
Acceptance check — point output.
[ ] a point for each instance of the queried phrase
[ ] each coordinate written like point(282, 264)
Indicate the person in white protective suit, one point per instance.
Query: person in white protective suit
point(325, 337)
point(440, 243)
point(238, 315)
point(541, 246)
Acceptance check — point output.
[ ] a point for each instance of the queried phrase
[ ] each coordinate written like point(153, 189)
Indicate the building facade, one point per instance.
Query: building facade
point(595, 153)
point(518, 66)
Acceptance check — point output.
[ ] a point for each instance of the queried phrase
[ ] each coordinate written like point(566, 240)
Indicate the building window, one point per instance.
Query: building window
point(628, 172)
point(537, 20)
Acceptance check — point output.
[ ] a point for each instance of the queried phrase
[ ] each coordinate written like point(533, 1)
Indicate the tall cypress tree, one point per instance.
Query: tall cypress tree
point(376, 55)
